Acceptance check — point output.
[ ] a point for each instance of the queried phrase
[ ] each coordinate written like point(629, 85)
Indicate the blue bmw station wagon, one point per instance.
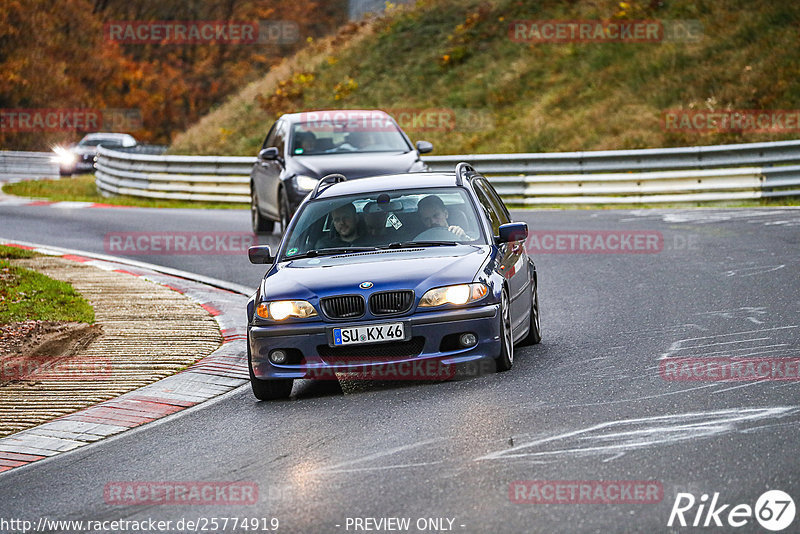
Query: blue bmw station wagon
point(402, 270)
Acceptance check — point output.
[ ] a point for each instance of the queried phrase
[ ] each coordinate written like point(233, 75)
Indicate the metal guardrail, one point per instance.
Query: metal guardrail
point(14, 164)
point(690, 174)
point(201, 178)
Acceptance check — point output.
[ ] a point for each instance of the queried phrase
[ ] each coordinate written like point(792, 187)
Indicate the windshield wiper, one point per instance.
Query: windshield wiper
point(313, 253)
point(414, 244)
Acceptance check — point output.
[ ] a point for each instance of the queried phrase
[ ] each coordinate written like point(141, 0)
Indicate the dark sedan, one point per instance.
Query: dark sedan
point(301, 148)
point(80, 156)
point(403, 278)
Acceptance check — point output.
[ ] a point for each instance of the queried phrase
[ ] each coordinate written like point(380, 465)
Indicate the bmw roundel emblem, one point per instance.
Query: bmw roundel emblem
point(365, 285)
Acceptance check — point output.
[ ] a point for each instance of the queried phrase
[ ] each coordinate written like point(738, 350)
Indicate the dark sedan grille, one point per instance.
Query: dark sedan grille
point(347, 307)
point(391, 302)
point(403, 349)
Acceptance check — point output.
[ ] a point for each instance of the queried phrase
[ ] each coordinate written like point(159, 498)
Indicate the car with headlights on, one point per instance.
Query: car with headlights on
point(301, 148)
point(391, 271)
point(80, 156)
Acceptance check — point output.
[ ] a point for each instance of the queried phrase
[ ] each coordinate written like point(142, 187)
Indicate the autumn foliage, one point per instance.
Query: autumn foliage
point(55, 55)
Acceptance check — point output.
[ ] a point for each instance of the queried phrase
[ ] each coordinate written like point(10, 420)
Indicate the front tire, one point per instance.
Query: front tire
point(506, 359)
point(259, 223)
point(534, 336)
point(266, 390)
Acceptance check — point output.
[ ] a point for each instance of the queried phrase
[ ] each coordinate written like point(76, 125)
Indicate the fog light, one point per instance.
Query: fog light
point(468, 340)
point(278, 356)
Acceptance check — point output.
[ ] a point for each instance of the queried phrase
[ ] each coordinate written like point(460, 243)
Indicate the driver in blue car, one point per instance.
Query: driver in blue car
point(345, 225)
point(433, 214)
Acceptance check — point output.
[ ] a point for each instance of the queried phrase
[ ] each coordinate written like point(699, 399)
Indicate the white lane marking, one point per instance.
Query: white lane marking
point(377, 468)
point(637, 399)
point(715, 215)
point(665, 330)
point(71, 204)
point(376, 455)
point(729, 351)
point(738, 387)
point(617, 437)
point(748, 340)
point(753, 271)
point(616, 456)
point(680, 344)
point(745, 312)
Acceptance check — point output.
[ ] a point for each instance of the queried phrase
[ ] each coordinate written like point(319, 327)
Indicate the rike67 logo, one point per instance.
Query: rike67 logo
point(774, 510)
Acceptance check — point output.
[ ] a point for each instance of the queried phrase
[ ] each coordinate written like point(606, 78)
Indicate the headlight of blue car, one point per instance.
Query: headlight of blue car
point(283, 309)
point(458, 295)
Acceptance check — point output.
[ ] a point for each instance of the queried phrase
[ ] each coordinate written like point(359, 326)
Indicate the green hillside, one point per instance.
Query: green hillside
point(457, 57)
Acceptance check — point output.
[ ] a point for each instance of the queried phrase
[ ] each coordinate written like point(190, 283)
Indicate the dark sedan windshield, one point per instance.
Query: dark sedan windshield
point(389, 219)
point(109, 143)
point(360, 135)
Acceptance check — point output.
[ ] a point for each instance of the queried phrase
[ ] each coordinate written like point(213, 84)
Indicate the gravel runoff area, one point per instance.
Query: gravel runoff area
point(222, 371)
point(148, 332)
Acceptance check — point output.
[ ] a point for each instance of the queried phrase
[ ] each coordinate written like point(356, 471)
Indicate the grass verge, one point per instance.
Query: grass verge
point(81, 188)
point(26, 294)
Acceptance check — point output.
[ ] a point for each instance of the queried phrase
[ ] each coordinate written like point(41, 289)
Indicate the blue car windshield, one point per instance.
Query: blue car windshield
point(385, 219)
point(358, 134)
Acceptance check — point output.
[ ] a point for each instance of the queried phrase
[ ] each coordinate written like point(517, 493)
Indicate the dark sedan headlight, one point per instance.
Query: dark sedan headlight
point(457, 294)
point(64, 157)
point(305, 183)
point(283, 309)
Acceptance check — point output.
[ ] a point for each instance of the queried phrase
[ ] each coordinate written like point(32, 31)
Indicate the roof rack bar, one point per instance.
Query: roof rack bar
point(327, 181)
point(462, 169)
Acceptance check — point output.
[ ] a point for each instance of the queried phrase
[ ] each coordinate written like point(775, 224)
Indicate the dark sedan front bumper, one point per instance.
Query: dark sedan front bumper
point(433, 340)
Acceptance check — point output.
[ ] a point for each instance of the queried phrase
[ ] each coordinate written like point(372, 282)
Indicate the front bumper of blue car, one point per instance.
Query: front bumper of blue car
point(434, 343)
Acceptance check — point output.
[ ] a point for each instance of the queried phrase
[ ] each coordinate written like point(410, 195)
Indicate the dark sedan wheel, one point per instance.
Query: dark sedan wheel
point(268, 389)
point(535, 333)
point(259, 223)
point(506, 358)
point(283, 208)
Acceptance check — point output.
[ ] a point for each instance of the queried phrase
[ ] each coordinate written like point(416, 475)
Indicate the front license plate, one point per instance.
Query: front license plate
point(375, 333)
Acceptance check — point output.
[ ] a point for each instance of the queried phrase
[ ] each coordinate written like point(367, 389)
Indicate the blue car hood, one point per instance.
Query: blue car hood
point(416, 269)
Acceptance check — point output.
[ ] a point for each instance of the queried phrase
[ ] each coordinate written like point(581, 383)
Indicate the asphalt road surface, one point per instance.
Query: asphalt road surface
point(594, 402)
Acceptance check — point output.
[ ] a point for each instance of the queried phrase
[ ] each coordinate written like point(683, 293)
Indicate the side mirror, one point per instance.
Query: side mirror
point(259, 254)
point(269, 154)
point(423, 147)
point(510, 232)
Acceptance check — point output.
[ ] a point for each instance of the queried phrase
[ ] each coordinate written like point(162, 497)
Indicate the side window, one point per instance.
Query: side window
point(280, 138)
point(269, 140)
point(488, 209)
point(494, 198)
